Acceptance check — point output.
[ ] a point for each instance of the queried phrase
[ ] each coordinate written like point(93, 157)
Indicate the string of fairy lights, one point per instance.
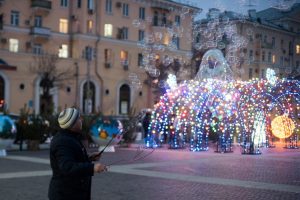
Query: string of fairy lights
point(253, 111)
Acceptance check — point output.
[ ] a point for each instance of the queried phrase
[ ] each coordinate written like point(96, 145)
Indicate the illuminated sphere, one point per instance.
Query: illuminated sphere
point(104, 130)
point(7, 131)
point(282, 126)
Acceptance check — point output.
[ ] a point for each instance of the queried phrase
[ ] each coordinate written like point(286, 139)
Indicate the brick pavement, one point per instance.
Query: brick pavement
point(165, 174)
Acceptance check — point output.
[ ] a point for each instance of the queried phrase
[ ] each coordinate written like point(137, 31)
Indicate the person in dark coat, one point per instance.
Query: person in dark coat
point(72, 167)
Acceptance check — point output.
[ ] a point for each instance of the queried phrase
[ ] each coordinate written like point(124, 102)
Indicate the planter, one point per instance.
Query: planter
point(5, 143)
point(33, 145)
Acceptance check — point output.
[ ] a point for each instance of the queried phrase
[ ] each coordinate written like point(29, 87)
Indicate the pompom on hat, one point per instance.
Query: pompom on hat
point(68, 117)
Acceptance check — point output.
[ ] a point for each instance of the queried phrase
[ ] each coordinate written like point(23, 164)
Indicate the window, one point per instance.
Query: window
point(176, 41)
point(266, 39)
point(141, 35)
point(251, 55)
point(291, 48)
point(1, 21)
point(177, 20)
point(108, 30)
point(125, 9)
point(14, 18)
point(38, 21)
point(13, 45)
point(124, 57)
point(281, 61)
point(89, 96)
point(198, 38)
point(251, 38)
point(263, 56)
point(124, 34)
point(37, 49)
point(140, 60)
point(107, 55)
point(142, 13)
point(298, 49)
point(78, 3)
point(63, 25)
point(273, 59)
point(155, 18)
point(124, 101)
point(2, 88)
point(250, 73)
point(273, 42)
point(108, 6)
point(63, 51)
point(90, 5)
point(263, 73)
point(164, 19)
point(64, 3)
point(166, 39)
point(89, 26)
point(269, 57)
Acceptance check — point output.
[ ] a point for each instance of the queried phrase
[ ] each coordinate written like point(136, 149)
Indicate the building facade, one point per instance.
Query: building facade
point(105, 46)
point(251, 44)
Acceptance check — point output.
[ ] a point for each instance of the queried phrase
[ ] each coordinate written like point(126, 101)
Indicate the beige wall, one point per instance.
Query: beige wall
point(77, 39)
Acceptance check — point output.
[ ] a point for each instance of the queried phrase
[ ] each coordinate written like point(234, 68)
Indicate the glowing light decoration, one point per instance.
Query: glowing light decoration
point(214, 104)
point(259, 129)
point(271, 76)
point(282, 126)
point(215, 66)
point(172, 81)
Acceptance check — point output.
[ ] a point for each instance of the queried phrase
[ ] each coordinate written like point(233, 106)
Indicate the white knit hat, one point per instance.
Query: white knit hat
point(68, 117)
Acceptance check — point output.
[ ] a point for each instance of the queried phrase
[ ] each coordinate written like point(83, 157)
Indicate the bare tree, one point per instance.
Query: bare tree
point(158, 83)
point(45, 66)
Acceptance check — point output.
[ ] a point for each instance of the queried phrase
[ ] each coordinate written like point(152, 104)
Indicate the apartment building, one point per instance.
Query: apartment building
point(251, 44)
point(104, 45)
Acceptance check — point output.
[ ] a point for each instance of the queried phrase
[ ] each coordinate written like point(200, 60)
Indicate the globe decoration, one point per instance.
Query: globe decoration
point(7, 133)
point(214, 66)
point(282, 126)
point(107, 131)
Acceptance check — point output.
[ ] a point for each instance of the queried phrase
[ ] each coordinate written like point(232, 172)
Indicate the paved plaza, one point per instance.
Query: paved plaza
point(165, 174)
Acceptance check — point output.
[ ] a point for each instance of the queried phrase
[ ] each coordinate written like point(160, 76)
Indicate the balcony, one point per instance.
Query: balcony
point(41, 6)
point(266, 45)
point(40, 33)
point(161, 23)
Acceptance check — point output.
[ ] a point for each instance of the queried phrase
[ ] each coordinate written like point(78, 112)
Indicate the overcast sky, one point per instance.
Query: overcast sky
point(240, 6)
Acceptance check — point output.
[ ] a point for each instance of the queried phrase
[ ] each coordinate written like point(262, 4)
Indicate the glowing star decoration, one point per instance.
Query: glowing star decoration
point(271, 76)
point(171, 81)
point(214, 66)
point(282, 126)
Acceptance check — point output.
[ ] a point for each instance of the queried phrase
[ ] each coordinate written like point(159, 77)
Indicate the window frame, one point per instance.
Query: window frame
point(125, 9)
point(13, 45)
point(15, 18)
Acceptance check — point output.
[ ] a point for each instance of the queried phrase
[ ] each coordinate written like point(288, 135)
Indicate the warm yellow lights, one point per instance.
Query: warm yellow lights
point(282, 126)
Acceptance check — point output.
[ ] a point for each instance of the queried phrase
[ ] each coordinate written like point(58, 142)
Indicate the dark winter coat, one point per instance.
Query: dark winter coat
point(71, 168)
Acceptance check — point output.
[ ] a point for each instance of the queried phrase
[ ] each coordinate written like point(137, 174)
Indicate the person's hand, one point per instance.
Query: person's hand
point(98, 168)
point(95, 156)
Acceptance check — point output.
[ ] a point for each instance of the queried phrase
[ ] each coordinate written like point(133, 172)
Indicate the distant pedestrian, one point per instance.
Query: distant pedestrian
point(72, 167)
